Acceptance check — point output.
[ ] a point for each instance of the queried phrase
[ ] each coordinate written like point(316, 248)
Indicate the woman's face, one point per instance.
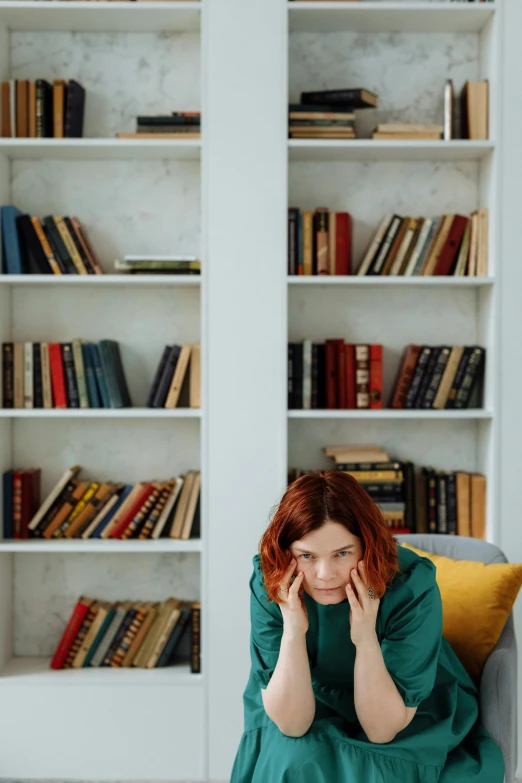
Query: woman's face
point(326, 557)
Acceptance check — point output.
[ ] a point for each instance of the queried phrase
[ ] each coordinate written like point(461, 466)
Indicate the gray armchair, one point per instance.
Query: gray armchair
point(498, 686)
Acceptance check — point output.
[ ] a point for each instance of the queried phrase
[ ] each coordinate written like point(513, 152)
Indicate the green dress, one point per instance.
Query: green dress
point(444, 742)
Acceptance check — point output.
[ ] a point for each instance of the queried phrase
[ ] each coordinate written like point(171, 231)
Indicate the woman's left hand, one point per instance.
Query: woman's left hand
point(363, 609)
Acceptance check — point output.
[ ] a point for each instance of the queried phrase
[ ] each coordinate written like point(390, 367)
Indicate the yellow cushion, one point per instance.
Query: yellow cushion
point(476, 602)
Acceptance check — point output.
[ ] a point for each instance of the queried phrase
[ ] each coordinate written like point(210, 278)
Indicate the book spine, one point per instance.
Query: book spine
point(73, 398)
point(473, 370)
point(28, 375)
point(195, 654)
point(451, 503)
point(7, 375)
point(73, 626)
point(438, 372)
point(375, 376)
point(37, 376)
point(362, 376)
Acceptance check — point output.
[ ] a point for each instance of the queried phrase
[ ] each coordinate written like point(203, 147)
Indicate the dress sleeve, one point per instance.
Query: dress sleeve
point(266, 629)
point(413, 632)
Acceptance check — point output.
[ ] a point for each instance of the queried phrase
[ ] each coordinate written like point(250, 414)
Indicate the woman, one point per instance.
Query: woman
point(351, 679)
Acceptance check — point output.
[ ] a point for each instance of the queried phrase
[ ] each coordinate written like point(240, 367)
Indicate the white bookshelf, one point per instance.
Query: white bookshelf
point(132, 196)
point(230, 193)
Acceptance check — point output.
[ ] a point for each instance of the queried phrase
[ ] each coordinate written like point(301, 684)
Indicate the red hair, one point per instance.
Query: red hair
point(310, 502)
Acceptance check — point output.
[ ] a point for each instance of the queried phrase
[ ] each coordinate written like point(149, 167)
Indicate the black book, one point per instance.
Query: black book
point(54, 236)
point(7, 375)
point(426, 378)
point(71, 386)
point(120, 633)
point(79, 246)
point(290, 374)
point(459, 376)
point(74, 110)
point(297, 375)
point(54, 249)
point(34, 258)
point(114, 350)
point(166, 378)
point(408, 486)
point(355, 98)
point(166, 119)
point(44, 109)
point(157, 377)
point(451, 503)
point(168, 653)
point(420, 369)
point(37, 376)
point(474, 371)
point(438, 372)
point(292, 240)
point(441, 495)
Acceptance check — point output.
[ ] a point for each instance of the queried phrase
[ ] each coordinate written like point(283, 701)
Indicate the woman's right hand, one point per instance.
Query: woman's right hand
point(292, 604)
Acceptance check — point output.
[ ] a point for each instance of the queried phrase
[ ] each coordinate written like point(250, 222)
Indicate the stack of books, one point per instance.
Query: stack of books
point(319, 242)
point(393, 131)
point(177, 125)
point(54, 245)
point(177, 381)
point(76, 374)
point(471, 119)
point(440, 377)
point(143, 634)
point(38, 109)
point(334, 375)
point(414, 500)
point(453, 245)
point(162, 265)
point(82, 508)
point(328, 114)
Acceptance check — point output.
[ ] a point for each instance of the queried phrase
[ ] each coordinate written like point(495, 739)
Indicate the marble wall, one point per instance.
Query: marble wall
point(406, 70)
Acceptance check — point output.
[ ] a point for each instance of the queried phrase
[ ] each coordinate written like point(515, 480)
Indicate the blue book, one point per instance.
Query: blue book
point(90, 378)
point(100, 375)
point(11, 255)
point(109, 515)
point(7, 505)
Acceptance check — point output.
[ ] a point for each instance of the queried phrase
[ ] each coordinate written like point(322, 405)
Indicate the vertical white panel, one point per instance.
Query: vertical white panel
point(510, 307)
point(246, 186)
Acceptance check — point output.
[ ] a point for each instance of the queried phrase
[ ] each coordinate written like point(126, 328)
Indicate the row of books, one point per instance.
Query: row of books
point(440, 376)
point(140, 634)
point(178, 124)
point(414, 499)
point(333, 375)
point(178, 371)
point(76, 374)
point(319, 242)
point(338, 375)
point(328, 114)
point(78, 507)
point(453, 245)
point(41, 110)
point(54, 245)
point(154, 265)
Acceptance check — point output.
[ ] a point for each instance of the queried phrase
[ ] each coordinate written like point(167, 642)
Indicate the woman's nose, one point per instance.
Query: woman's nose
point(324, 571)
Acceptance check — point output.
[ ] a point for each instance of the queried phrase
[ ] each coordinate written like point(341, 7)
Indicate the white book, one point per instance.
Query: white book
point(307, 374)
point(28, 375)
point(167, 508)
point(375, 243)
point(51, 497)
point(421, 241)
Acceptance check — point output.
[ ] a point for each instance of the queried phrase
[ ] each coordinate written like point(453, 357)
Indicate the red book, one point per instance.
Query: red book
point(57, 375)
point(331, 374)
point(30, 498)
point(132, 510)
point(69, 635)
point(451, 247)
point(17, 504)
point(405, 376)
point(343, 248)
point(375, 376)
point(349, 365)
point(341, 375)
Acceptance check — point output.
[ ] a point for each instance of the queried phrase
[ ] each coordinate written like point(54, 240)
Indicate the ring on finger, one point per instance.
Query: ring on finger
point(284, 589)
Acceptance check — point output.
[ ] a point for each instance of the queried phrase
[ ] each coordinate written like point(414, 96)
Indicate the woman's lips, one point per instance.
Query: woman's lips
point(328, 590)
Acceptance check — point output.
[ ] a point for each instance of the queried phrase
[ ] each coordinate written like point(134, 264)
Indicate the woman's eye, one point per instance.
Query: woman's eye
point(343, 553)
point(306, 557)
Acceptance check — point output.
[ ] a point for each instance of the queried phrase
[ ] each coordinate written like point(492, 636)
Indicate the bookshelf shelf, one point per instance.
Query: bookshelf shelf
point(389, 17)
point(36, 671)
point(376, 150)
point(101, 546)
point(393, 414)
point(429, 282)
point(44, 15)
point(100, 413)
point(100, 149)
point(181, 281)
